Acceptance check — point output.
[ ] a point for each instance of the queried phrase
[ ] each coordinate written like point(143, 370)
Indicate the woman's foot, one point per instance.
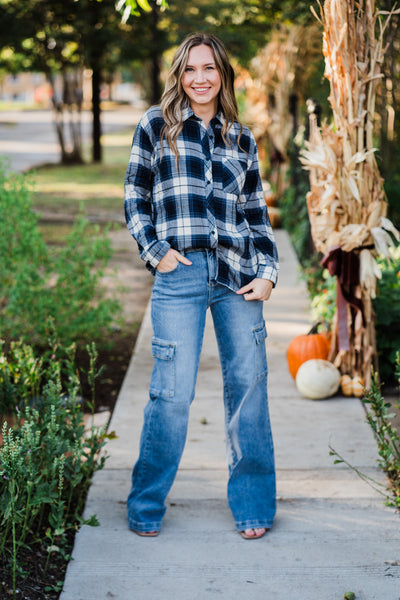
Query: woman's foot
point(254, 533)
point(146, 533)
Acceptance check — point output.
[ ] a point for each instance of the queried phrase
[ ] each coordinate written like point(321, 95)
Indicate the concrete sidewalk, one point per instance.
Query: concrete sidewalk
point(332, 533)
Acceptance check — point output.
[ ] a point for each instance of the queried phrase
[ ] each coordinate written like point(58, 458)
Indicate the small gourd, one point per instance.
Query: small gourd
point(346, 383)
point(358, 386)
point(317, 379)
point(305, 347)
point(352, 386)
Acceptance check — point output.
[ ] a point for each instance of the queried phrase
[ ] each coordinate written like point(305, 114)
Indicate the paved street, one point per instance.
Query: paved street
point(28, 138)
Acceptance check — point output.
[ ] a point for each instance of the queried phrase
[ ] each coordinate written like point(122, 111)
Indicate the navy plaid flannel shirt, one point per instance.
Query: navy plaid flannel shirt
point(212, 198)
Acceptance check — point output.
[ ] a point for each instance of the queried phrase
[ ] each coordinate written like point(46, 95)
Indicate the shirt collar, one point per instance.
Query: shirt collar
point(187, 112)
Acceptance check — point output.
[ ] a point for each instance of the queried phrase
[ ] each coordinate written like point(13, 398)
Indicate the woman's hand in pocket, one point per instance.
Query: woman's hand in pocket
point(170, 260)
point(258, 289)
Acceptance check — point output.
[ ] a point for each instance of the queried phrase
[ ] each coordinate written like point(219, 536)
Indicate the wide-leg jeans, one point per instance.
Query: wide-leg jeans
point(180, 299)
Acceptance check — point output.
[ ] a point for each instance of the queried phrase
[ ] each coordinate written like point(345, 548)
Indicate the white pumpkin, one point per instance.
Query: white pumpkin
point(317, 379)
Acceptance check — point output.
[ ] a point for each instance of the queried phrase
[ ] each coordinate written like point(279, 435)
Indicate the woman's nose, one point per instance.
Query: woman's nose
point(199, 76)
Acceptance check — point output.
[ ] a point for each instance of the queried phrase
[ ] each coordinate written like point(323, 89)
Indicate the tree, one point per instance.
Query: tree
point(100, 34)
point(388, 107)
point(64, 37)
point(39, 35)
point(244, 25)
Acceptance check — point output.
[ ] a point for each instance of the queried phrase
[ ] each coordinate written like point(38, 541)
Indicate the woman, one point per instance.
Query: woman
point(194, 204)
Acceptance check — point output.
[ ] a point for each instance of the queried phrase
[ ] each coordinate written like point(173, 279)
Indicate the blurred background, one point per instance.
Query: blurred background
point(75, 78)
point(76, 75)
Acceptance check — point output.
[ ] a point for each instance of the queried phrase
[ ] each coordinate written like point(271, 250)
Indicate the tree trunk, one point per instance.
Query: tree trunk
point(96, 112)
point(74, 154)
point(155, 59)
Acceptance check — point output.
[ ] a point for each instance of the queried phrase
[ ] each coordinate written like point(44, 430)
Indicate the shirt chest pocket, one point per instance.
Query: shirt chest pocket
point(233, 174)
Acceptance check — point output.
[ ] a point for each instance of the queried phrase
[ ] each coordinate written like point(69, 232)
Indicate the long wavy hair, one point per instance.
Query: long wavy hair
point(174, 98)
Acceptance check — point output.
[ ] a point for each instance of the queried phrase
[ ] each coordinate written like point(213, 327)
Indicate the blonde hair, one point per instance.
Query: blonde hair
point(174, 99)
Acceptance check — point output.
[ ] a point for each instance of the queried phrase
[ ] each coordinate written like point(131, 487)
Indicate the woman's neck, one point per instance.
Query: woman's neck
point(205, 113)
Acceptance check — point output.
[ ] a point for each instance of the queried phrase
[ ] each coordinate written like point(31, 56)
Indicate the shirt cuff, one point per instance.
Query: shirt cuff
point(154, 253)
point(268, 272)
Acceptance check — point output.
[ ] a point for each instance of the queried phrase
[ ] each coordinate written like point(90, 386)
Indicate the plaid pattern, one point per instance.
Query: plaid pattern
point(211, 199)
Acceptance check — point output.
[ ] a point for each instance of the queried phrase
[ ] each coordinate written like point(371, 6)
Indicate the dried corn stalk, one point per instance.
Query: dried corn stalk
point(347, 204)
point(275, 74)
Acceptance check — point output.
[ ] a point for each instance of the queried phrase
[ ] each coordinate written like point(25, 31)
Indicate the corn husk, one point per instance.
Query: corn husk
point(275, 73)
point(347, 204)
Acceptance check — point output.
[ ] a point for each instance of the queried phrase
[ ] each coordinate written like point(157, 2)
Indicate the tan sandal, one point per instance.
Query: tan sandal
point(254, 533)
point(146, 533)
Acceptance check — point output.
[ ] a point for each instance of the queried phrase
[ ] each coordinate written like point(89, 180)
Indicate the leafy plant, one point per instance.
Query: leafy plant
point(37, 282)
point(387, 309)
point(323, 302)
point(388, 440)
point(46, 460)
point(25, 372)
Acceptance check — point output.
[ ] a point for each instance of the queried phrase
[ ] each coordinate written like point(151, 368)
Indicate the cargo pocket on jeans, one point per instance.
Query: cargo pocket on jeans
point(260, 358)
point(162, 384)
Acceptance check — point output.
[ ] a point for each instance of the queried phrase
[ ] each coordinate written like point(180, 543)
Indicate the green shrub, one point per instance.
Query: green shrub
point(387, 309)
point(392, 189)
point(387, 438)
point(46, 460)
point(38, 282)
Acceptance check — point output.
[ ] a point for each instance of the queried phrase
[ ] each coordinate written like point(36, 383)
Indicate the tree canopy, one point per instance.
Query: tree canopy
point(105, 35)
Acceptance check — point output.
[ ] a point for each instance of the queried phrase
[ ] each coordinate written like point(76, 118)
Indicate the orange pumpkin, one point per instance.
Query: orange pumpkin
point(305, 347)
point(274, 217)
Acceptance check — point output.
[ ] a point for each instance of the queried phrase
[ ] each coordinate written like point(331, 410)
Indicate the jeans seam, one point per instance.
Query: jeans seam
point(143, 463)
point(261, 375)
point(228, 409)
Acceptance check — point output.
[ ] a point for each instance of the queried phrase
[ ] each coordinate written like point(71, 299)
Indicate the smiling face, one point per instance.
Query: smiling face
point(201, 80)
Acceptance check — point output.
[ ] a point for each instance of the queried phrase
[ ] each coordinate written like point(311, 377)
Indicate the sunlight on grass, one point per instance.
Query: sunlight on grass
point(87, 187)
point(76, 188)
point(121, 139)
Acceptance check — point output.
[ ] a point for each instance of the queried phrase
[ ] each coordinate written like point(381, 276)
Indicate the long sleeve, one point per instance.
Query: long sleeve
point(138, 199)
point(256, 214)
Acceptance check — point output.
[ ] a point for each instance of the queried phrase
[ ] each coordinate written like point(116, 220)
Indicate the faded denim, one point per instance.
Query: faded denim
point(180, 299)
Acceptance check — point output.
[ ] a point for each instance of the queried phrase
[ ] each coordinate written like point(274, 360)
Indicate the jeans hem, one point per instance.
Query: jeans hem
point(254, 524)
point(135, 526)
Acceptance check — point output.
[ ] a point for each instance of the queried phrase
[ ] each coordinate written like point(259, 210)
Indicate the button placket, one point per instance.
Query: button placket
point(208, 149)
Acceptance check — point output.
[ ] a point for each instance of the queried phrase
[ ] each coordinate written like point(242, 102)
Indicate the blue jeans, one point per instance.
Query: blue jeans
point(179, 302)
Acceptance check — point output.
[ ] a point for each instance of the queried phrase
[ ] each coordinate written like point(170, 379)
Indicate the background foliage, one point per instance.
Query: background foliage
point(38, 282)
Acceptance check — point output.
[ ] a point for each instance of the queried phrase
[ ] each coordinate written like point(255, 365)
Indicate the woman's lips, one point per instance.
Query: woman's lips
point(201, 90)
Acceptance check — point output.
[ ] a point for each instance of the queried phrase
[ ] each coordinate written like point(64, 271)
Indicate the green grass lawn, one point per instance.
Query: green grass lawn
point(91, 188)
